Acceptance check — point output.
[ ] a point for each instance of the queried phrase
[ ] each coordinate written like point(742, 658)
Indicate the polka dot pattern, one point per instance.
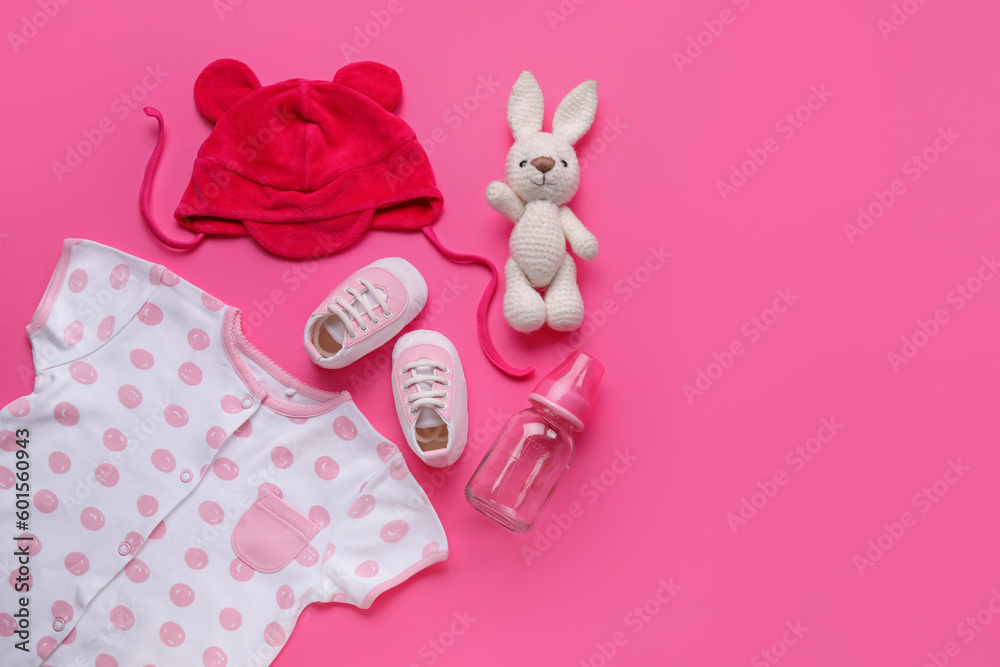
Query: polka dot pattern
point(198, 339)
point(106, 329)
point(190, 373)
point(83, 372)
point(230, 619)
point(45, 501)
point(66, 414)
point(59, 463)
point(119, 277)
point(326, 468)
point(129, 396)
point(182, 595)
point(137, 571)
point(196, 558)
point(151, 421)
point(150, 314)
point(73, 333)
point(147, 505)
point(114, 440)
point(122, 618)
point(142, 359)
point(77, 563)
point(8, 441)
point(172, 634)
point(77, 281)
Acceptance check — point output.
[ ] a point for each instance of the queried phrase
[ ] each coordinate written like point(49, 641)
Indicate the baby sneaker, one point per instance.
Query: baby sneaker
point(431, 400)
point(364, 312)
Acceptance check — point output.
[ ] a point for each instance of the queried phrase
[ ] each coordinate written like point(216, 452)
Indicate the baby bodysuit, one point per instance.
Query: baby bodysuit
point(170, 496)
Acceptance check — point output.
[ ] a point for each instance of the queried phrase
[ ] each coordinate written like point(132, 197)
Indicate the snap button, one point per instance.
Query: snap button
point(247, 403)
point(187, 476)
point(124, 548)
point(58, 625)
point(290, 392)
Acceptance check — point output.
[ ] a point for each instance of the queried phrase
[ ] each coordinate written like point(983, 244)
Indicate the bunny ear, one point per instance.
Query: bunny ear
point(525, 108)
point(222, 84)
point(576, 112)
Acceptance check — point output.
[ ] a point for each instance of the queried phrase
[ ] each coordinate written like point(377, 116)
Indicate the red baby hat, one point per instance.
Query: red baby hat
point(306, 167)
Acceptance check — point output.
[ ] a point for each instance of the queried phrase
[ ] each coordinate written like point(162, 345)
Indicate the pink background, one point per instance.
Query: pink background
point(670, 135)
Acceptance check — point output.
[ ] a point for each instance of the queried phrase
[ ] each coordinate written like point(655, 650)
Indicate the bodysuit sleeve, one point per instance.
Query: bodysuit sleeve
point(390, 533)
point(93, 293)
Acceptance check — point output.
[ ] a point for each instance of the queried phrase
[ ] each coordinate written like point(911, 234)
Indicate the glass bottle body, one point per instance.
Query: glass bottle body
point(522, 468)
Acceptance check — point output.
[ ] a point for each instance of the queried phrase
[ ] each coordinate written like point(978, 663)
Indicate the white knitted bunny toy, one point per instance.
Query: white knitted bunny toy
point(542, 175)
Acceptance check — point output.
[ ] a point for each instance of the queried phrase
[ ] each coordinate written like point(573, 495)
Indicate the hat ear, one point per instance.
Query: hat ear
point(221, 85)
point(375, 80)
point(576, 112)
point(526, 107)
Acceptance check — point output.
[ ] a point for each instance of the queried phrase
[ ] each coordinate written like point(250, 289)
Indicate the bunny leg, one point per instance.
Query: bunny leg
point(563, 301)
point(523, 307)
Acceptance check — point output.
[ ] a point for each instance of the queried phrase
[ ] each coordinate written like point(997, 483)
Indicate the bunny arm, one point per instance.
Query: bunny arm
point(581, 240)
point(504, 201)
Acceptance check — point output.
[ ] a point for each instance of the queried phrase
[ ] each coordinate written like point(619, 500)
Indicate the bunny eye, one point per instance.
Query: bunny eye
point(524, 163)
point(564, 163)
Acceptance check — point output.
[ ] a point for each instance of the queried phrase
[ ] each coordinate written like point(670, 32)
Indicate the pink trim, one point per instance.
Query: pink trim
point(435, 557)
point(146, 190)
point(51, 293)
point(485, 342)
point(437, 458)
point(237, 345)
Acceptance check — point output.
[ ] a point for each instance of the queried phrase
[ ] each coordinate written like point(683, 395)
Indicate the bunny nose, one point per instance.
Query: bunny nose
point(543, 164)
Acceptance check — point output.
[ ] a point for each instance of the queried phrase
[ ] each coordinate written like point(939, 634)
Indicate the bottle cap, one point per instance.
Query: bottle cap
point(571, 389)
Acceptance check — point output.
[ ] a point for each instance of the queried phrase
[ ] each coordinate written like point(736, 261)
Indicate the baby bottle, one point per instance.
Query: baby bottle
point(524, 464)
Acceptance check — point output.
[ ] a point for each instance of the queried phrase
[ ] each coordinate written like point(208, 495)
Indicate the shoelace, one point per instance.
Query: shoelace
point(351, 313)
point(429, 398)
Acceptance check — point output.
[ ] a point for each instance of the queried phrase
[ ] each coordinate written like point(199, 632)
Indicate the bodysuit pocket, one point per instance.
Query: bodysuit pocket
point(271, 533)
